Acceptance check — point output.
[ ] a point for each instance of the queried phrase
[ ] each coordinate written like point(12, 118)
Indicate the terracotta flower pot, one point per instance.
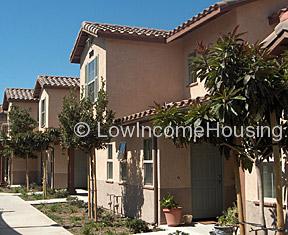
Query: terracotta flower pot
point(173, 216)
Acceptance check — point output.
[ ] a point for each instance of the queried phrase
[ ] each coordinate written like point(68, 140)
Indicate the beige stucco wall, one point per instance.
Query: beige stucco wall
point(54, 104)
point(147, 72)
point(137, 199)
point(60, 167)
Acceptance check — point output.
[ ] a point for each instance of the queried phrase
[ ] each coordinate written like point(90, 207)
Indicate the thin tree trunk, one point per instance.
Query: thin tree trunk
point(44, 176)
point(94, 184)
point(239, 196)
point(27, 173)
point(278, 175)
point(89, 187)
point(71, 157)
point(261, 198)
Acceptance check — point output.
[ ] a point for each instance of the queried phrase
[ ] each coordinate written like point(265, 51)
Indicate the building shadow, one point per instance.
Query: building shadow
point(132, 193)
point(5, 229)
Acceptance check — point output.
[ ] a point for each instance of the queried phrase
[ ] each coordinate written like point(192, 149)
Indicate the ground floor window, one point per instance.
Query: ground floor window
point(110, 162)
point(148, 162)
point(268, 179)
point(123, 170)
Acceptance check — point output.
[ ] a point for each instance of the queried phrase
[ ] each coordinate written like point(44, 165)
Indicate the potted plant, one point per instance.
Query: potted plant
point(227, 223)
point(172, 212)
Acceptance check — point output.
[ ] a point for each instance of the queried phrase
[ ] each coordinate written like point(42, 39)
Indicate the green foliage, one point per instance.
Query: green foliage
point(245, 84)
point(20, 121)
point(137, 226)
point(229, 218)
point(96, 115)
point(178, 233)
point(168, 202)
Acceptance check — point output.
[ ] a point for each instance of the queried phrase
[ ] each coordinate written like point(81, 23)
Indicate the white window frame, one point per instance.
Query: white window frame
point(43, 118)
point(122, 157)
point(95, 80)
point(273, 184)
point(109, 162)
point(148, 162)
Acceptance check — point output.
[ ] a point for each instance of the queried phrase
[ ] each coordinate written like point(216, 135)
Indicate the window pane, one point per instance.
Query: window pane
point(110, 153)
point(192, 78)
point(148, 149)
point(109, 170)
point(90, 92)
point(123, 170)
point(91, 71)
point(268, 180)
point(148, 173)
point(43, 106)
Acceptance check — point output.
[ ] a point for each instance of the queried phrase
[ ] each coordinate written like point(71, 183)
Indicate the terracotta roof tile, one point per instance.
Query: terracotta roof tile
point(58, 81)
point(146, 34)
point(45, 81)
point(150, 112)
point(19, 94)
point(96, 28)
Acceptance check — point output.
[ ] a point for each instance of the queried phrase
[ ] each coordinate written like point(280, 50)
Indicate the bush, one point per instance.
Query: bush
point(74, 201)
point(178, 233)
point(229, 217)
point(137, 226)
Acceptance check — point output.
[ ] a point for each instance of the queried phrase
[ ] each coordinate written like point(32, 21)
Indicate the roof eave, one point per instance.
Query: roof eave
point(195, 25)
point(73, 57)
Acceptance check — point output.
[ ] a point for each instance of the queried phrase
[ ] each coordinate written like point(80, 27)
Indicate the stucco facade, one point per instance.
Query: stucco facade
point(17, 170)
point(53, 98)
point(139, 73)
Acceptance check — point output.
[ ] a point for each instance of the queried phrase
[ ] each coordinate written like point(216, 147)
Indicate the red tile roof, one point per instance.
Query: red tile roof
point(148, 114)
point(146, 34)
point(97, 29)
point(18, 94)
point(44, 81)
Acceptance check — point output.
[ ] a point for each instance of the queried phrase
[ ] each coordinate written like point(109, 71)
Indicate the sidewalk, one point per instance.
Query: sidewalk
point(19, 217)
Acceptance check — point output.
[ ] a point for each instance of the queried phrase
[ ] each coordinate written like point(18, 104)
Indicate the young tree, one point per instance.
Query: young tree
point(42, 142)
point(21, 136)
point(99, 118)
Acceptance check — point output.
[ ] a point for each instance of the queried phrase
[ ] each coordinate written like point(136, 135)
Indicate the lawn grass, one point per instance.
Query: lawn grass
point(73, 216)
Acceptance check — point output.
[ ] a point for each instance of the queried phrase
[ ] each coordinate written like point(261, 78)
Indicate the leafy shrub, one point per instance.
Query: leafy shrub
point(168, 202)
point(74, 201)
point(137, 226)
point(178, 233)
point(229, 217)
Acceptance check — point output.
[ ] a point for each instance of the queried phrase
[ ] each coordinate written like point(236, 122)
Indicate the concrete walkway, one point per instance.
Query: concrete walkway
point(19, 217)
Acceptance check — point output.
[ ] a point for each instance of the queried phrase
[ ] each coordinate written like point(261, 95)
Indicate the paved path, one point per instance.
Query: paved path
point(19, 217)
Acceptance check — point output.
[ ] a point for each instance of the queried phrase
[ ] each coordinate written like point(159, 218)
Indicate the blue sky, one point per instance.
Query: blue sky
point(36, 37)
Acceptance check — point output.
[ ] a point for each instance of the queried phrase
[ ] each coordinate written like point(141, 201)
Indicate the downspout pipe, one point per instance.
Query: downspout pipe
point(155, 178)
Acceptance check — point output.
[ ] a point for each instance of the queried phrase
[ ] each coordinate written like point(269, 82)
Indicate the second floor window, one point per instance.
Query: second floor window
point(148, 162)
point(192, 78)
point(268, 179)
point(43, 113)
point(91, 80)
point(110, 162)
